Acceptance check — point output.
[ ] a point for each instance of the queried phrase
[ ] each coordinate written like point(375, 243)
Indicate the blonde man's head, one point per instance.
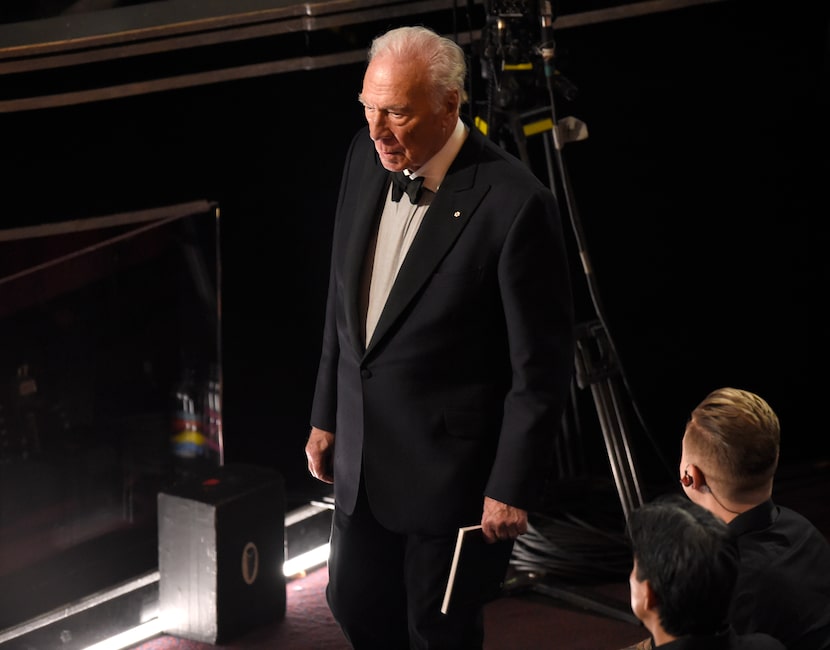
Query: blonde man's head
point(734, 437)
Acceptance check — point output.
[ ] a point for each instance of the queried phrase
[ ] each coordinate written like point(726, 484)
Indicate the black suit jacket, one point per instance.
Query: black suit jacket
point(783, 586)
point(460, 392)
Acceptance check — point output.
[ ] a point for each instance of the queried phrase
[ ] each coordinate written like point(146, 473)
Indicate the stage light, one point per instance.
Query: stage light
point(305, 561)
point(129, 612)
point(130, 637)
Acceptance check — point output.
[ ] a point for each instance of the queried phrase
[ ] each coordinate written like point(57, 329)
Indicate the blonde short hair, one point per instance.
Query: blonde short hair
point(735, 437)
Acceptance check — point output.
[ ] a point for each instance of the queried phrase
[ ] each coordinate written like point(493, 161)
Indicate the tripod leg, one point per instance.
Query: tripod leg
point(547, 140)
point(596, 367)
point(519, 138)
point(617, 444)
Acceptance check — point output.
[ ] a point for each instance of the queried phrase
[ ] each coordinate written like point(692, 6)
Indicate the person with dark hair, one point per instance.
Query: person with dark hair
point(447, 351)
point(728, 462)
point(684, 572)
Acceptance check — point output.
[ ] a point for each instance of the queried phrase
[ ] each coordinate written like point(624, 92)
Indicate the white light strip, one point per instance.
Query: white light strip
point(130, 637)
point(82, 605)
point(307, 560)
point(310, 559)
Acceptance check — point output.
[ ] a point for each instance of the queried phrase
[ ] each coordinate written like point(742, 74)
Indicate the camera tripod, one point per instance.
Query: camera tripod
point(596, 362)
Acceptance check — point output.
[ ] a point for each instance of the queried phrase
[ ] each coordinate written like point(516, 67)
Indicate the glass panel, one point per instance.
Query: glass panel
point(110, 358)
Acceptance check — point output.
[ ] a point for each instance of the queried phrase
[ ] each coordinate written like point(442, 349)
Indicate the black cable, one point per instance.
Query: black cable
point(571, 549)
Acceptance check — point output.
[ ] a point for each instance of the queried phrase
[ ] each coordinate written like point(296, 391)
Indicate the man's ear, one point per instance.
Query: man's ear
point(651, 601)
point(453, 104)
point(698, 477)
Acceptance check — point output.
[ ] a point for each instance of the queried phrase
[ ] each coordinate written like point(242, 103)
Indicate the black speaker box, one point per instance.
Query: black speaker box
point(221, 553)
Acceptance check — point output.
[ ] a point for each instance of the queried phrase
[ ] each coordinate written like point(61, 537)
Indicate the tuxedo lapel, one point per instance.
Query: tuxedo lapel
point(367, 211)
point(451, 209)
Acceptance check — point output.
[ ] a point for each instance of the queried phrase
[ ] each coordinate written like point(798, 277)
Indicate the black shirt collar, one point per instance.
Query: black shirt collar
point(760, 517)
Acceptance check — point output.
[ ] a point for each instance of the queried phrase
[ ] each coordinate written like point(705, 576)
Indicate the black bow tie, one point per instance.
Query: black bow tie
point(402, 183)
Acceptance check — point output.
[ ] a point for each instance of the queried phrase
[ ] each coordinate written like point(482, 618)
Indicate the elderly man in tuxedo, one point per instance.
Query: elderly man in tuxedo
point(447, 350)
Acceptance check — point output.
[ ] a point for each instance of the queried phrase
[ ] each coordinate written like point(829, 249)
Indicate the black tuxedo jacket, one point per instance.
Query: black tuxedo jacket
point(460, 392)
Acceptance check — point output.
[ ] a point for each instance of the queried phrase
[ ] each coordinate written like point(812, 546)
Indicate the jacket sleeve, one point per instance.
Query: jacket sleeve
point(324, 403)
point(534, 282)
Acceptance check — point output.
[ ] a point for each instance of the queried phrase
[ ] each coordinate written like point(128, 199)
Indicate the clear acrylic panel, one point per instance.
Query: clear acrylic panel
point(110, 389)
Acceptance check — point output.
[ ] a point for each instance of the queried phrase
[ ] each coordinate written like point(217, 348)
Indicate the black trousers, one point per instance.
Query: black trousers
point(385, 588)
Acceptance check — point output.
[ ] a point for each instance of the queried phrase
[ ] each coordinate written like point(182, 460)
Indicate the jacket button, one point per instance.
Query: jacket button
point(366, 373)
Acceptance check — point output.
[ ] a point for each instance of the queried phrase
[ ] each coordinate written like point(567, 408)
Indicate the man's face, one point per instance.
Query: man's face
point(403, 123)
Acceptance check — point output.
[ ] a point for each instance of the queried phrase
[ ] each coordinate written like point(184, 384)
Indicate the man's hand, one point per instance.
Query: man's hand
point(501, 521)
point(319, 450)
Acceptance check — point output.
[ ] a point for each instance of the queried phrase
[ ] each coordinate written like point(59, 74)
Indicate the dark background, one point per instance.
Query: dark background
point(696, 191)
